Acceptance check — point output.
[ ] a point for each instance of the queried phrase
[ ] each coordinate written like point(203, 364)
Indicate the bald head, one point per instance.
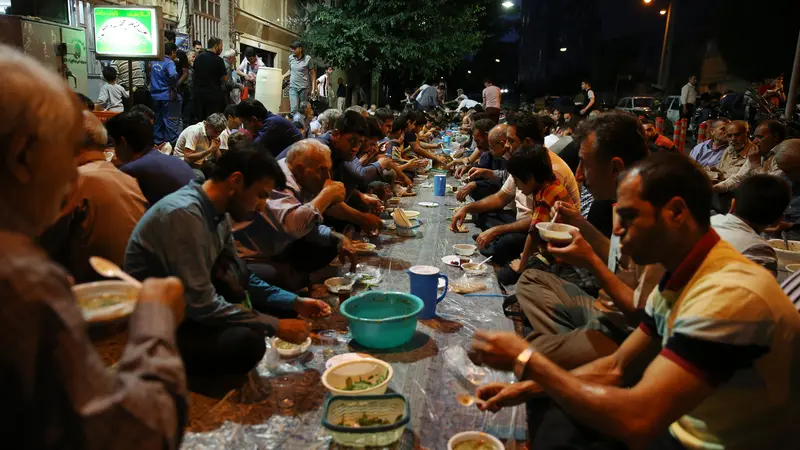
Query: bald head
point(309, 161)
point(497, 140)
point(41, 129)
point(94, 131)
point(787, 156)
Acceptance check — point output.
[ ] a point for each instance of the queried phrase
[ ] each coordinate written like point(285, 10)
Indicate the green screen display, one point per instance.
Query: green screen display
point(126, 32)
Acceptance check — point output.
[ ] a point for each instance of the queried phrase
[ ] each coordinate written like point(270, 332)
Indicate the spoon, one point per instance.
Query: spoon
point(785, 240)
point(485, 261)
point(108, 269)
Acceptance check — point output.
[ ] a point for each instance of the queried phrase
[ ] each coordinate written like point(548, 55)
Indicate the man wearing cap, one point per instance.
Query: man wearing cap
point(301, 72)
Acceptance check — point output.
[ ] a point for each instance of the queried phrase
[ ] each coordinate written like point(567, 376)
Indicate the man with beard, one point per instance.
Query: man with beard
point(739, 146)
point(726, 375)
point(760, 159)
point(185, 234)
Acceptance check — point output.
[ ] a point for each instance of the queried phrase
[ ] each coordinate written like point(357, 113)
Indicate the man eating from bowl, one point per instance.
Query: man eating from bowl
point(57, 390)
point(285, 241)
point(726, 375)
point(186, 233)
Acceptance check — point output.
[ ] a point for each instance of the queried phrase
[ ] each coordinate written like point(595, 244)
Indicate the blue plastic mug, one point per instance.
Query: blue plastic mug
point(439, 185)
point(424, 282)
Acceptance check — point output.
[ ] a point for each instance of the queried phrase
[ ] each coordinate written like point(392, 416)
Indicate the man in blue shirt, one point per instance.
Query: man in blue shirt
point(166, 99)
point(275, 133)
point(189, 232)
point(708, 153)
point(158, 174)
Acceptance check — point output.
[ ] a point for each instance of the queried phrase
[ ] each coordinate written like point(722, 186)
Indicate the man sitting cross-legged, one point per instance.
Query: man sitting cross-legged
point(184, 235)
point(285, 240)
point(727, 372)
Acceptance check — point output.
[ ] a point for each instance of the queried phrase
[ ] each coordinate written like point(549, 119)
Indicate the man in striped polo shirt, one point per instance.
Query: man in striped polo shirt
point(728, 374)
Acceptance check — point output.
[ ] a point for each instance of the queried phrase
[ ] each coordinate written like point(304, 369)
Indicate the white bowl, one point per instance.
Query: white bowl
point(336, 283)
point(792, 268)
point(91, 296)
point(345, 357)
point(474, 435)
point(557, 233)
point(474, 269)
point(335, 378)
point(294, 351)
point(411, 214)
point(786, 257)
point(464, 249)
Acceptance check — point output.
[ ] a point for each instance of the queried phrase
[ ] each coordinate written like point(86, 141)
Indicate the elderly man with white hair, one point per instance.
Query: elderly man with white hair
point(60, 391)
point(105, 206)
point(286, 241)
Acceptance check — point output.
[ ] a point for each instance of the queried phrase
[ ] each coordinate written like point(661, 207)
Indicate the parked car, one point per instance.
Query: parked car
point(671, 108)
point(636, 105)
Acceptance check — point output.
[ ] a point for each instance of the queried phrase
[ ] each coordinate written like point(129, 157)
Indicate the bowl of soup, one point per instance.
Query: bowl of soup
point(556, 233)
point(106, 301)
point(474, 440)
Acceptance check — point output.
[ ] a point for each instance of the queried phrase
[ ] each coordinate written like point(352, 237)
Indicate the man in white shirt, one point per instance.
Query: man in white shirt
point(467, 103)
point(769, 134)
point(324, 87)
point(688, 98)
point(461, 97)
point(250, 65)
point(492, 98)
point(200, 143)
point(589, 98)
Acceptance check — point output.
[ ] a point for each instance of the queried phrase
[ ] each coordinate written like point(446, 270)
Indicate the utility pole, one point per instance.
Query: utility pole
point(666, 49)
point(791, 98)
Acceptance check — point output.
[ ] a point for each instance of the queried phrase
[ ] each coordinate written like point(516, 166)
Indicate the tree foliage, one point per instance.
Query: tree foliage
point(423, 37)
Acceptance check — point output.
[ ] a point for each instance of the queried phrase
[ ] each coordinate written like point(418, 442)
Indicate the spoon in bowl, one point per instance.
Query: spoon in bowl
point(108, 269)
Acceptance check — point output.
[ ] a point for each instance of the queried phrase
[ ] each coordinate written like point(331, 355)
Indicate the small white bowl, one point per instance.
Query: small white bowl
point(474, 269)
point(464, 249)
point(557, 233)
point(474, 435)
point(294, 351)
point(336, 283)
point(335, 378)
point(792, 268)
point(786, 256)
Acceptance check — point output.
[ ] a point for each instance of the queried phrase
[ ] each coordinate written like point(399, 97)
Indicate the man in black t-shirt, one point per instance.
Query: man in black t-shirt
point(209, 74)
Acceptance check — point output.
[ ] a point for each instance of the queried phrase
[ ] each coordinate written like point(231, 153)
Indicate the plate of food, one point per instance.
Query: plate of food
point(474, 440)
point(105, 301)
point(456, 260)
point(461, 228)
point(368, 275)
point(364, 247)
point(427, 205)
point(288, 349)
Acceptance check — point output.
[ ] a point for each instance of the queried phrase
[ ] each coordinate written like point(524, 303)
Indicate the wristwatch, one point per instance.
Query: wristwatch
point(521, 362)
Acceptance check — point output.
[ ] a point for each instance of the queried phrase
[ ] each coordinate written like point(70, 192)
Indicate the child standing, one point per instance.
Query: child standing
point(111, 94)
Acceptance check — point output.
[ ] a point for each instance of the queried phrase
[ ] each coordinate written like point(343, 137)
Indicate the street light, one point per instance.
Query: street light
point(508, 4)
point(663, 67)
point(663, 12)
point(647, 2)
point(469, 71)
point(496, 60)
point(563, 49)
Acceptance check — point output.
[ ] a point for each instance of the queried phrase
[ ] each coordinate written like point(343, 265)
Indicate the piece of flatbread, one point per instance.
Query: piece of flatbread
point(467, 288)
point(461, 229)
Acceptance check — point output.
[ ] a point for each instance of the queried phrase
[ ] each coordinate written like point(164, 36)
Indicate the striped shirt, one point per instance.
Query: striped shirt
point(543, 202)
point(726, 321)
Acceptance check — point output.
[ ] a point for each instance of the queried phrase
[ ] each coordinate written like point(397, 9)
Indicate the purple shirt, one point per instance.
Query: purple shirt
point(706, 155)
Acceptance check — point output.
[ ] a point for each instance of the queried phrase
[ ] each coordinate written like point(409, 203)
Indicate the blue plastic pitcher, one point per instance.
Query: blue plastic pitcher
point(439, 185)
point(424, 281)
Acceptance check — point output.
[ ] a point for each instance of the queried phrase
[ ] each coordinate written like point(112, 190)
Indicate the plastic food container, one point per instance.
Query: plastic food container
point(381, 319)
point(335, 379)
point(387, 407)
point(90, 295)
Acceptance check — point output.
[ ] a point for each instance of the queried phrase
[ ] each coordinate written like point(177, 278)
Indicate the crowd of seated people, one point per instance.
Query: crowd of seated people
point(660, 323)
